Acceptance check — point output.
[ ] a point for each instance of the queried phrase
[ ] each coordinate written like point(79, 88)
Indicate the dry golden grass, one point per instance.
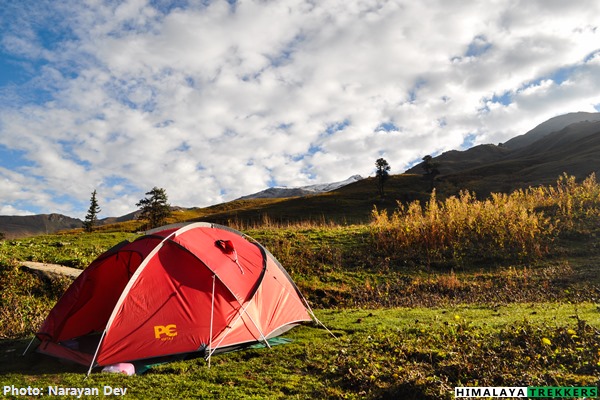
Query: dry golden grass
point(520, 225)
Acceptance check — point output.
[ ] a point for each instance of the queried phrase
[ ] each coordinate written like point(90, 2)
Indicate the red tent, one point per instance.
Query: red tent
point(197, 288)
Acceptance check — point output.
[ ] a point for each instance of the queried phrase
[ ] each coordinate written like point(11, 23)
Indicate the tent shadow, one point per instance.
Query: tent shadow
point(12, 360)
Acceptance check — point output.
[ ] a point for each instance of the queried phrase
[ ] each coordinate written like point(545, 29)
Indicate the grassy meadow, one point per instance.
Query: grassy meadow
point(427, 296)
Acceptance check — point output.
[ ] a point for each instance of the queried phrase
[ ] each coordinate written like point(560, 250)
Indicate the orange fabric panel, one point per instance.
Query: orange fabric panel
point(277, 301)
point(274, 305)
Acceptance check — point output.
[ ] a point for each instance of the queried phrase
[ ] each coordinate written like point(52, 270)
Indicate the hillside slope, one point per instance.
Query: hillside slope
point(28, 225)
point(574, 150)
point(349, 204)
point(535, 158)
point(552, 125)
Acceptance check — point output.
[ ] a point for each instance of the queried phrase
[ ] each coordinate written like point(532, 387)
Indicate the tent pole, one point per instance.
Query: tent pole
point(243, 312)
point(225, 335)
point(240, 316)
point(212, 313)
point(258, 329)
point(95, 354)
point(29, 345)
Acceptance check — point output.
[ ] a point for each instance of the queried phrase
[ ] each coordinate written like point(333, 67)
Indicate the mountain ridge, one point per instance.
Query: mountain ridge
point(554, 124)
point(454, 161)
point(12, 226)
point(573, 149)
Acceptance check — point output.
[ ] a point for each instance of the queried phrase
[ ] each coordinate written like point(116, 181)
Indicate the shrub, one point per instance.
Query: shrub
point(514, 226)
point(461, 228)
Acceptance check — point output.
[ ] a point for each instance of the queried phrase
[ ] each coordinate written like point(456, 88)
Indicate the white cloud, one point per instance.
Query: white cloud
point(216, 101)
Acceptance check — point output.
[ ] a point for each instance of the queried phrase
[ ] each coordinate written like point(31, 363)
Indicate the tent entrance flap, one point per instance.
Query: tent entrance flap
point(80, 350)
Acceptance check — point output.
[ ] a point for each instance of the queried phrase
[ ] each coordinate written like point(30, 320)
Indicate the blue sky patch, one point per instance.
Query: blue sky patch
point(505, 98)
point(15, 71)
point(468, 141)
point(314, 149)
point(125, 184)
point(69, 151)
point(284, 127)
point(183, 147)
point(558, 76)
point(337, 126)
point(478, 46)
point(414, 162)
point(13, 159)
point(272, 181)
point(387, 127)
point(309, 172)
point(168, 6)
point(285, 55)
point(412, 93)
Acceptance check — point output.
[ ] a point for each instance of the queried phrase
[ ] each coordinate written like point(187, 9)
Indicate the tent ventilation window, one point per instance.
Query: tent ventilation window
point(226, 246)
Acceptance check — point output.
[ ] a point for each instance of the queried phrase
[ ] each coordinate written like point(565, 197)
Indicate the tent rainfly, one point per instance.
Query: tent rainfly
point(179, 290)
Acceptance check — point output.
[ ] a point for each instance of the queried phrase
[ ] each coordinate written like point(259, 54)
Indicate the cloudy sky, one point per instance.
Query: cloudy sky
point(213, 100)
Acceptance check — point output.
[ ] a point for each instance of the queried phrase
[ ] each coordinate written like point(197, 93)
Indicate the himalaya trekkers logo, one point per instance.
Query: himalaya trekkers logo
point(166, 332)
point(528, 392)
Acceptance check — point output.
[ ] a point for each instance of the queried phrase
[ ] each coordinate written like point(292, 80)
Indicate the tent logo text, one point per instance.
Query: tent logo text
point(165, 332)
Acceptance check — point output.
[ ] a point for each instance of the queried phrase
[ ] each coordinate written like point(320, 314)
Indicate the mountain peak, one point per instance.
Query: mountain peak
point(283, 191)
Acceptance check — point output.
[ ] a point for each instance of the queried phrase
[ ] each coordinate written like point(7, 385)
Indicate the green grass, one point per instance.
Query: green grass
point(414, 353)
point(71, 249)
